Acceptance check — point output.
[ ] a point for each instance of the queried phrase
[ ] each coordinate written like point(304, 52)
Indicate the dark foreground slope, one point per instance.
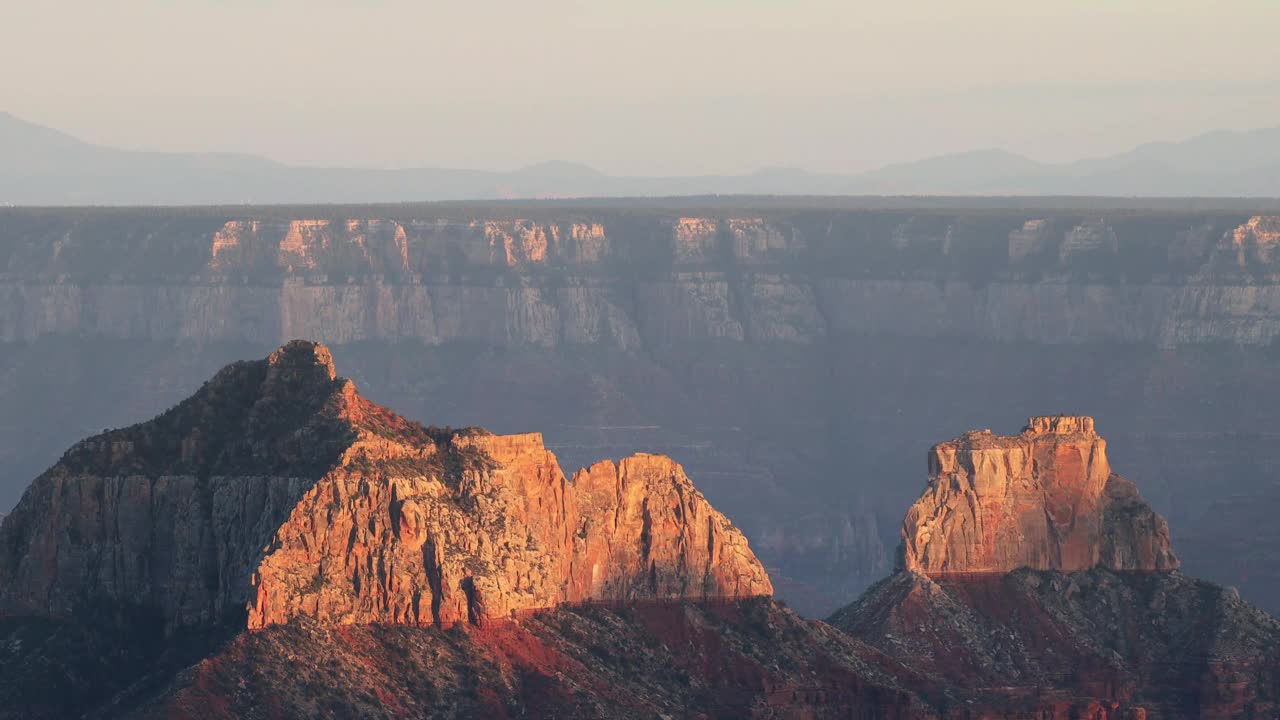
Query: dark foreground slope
point(718, 660)
point(1076, 644)
point(728, 659)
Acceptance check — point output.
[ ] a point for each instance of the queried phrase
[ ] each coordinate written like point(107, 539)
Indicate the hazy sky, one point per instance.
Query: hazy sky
point(644, 87)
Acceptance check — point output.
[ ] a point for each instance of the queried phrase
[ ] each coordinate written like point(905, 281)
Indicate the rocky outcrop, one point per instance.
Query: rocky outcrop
point(1095, 237)
point(1036, 583)
point(1255, 241)
point(1045, 499)
point(495, 532)
point(277, 488)
point(1028, 239)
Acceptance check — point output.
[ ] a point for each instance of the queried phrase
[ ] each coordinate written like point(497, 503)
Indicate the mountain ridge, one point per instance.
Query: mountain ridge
point(49, 167)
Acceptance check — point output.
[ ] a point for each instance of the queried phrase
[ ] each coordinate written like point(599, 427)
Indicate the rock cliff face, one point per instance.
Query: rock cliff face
point(499, 532)
point(279, 488)
point(1045, 499)
point(1036, 583)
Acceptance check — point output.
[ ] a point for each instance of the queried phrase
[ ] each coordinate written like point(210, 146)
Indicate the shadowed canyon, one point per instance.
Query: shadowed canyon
point(795, 357)
point(276, 545)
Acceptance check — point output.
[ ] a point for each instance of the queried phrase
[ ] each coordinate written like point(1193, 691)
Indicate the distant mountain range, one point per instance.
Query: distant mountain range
point(43, 166)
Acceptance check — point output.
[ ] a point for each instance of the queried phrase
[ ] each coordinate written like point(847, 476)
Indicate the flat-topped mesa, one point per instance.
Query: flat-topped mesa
point(279, 491)
point(1045, 499)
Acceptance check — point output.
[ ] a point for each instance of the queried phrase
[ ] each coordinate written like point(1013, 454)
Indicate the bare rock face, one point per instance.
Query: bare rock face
point(642, 530)
point(279, 490)
point(601, 279)
point(495, 531)
point(1045, 499)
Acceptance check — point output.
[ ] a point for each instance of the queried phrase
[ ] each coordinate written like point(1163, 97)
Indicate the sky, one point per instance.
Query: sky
point(653, 87)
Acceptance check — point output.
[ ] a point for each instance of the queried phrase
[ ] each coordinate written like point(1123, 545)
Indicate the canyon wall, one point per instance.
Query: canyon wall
point(643, 281)
point(793, 358)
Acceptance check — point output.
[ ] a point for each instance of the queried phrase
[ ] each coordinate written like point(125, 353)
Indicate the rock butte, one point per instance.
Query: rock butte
point(1045, 499)
point(1034, 582)
point(278, 491)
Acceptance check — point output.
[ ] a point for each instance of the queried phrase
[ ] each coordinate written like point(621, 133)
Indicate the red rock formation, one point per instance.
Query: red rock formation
point(279, 487)
point(497, 531)
point(1036, 583)
point(1045, 499)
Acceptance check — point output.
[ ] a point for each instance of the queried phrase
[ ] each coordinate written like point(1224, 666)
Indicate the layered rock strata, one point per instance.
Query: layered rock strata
point(614, 279)
point(278, 490)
